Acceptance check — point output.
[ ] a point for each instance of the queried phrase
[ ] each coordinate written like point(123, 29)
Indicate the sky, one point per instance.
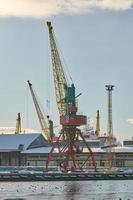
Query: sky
point(95, 38)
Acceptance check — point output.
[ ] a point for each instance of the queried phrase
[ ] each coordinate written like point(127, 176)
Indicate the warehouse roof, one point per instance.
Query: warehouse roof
point(19, 142)
point(36, 143)
point(115, 150)
point(46, 150)
point(41, 150)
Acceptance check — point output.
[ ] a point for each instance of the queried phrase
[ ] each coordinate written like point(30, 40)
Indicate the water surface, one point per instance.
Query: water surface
point(75, 190)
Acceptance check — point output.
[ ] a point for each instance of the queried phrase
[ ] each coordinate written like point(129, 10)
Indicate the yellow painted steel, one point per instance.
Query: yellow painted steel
point(41, 118)
point(59, 76)
point(97, 123)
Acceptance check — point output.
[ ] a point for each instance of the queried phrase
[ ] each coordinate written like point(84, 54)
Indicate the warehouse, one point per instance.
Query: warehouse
point(12, 146)
point(32, 150)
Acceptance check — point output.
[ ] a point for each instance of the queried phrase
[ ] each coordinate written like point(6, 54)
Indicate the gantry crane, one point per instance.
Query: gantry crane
point(47, 129)
point(18, 124)
point(70, 141)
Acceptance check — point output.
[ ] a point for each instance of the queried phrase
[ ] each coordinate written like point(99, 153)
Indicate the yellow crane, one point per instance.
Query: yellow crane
point(47, 129)
point(67, 144)
point(97, 124)
point(58, 72)
point(18, 124)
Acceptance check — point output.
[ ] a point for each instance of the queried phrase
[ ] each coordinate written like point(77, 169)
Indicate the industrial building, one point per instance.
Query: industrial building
point(32, 150)
point(12, 146)
point(123, 157)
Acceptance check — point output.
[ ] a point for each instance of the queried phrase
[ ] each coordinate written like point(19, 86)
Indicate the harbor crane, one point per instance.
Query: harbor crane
point(47, 129)
point(70, 144)
point(18, 124)
point(97, 124)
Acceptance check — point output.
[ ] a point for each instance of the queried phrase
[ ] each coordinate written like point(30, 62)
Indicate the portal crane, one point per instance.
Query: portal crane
point(18, 124)
point(70, 141)
point(47, 131)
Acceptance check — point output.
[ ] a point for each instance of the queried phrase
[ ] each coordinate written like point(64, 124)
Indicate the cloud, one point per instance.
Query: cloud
point(130, 121)
point(47, 8)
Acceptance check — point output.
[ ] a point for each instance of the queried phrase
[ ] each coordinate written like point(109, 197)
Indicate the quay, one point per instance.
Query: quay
point(64, 176)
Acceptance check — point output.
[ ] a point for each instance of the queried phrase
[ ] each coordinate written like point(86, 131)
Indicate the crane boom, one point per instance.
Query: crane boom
point(58, 73)
point(43, 123)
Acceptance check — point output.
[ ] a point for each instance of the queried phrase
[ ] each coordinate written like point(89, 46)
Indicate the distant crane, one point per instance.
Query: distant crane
point(18, 125)
point(97, 124)
point(70, 141)
point(47, 129)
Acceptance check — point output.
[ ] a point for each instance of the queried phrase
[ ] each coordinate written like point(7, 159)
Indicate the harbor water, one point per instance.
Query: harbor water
point(70, 190)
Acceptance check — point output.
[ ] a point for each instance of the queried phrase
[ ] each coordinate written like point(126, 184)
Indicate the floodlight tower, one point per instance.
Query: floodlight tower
point(110, 150)
point(109, 89)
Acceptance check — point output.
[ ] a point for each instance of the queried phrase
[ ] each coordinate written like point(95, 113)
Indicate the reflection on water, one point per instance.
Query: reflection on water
point(71, 190)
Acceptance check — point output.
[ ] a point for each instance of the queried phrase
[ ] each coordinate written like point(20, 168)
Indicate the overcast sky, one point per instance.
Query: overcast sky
point(96, 40)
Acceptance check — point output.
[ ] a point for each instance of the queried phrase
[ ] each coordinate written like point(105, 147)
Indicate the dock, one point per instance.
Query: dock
point(64, 176)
